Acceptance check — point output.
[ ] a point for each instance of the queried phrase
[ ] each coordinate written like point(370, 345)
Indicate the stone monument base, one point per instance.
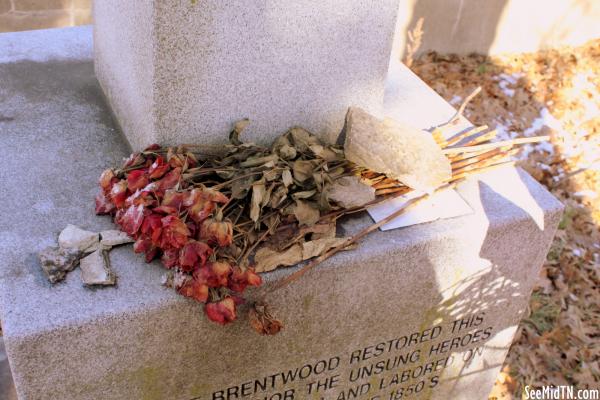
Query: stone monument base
point(427, 312)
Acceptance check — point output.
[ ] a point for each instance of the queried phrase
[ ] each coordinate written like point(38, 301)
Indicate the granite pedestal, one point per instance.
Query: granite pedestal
point(182, 71)
point(428, 311)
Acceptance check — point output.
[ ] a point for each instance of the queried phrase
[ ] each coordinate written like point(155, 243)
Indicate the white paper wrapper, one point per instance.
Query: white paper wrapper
point(442, 204)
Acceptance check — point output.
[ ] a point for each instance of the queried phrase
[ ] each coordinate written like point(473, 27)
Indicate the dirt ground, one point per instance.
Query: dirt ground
point(555, 92)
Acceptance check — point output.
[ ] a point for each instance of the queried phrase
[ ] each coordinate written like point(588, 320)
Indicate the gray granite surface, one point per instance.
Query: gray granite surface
point(177, 72)
point(141, 341)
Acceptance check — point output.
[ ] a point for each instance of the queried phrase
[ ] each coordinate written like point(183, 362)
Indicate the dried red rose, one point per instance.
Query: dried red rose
point(175, 233)
point(239, 279)
point(222, 312)
point(193, 255)
point(263, 322)
point(219, 232)
point(153, 205)
point(195, 290)
point(218, 273)
point(202, 202)
point(152, 228)
point(137, 179)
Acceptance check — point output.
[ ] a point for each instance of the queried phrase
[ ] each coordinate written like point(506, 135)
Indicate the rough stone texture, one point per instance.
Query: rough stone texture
point(177, 71)
point(73, 237)
point(142, 341)
point(114, 237)
point(7, 389)
point(95, 269)
point(396, 149)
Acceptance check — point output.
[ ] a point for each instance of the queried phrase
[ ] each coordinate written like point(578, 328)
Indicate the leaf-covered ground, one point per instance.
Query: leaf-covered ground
point(555, 92)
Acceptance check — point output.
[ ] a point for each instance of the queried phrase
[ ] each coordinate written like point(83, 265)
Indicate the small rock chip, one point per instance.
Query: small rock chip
point(56, 262)
point(114, 238)
point(95, 269)
point(397, 150)
point(75, 238)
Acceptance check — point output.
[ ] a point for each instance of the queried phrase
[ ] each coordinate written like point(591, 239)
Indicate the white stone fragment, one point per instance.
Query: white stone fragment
point(400, 151)
point(98, 246)
point(114, 238)
point(95, 269)
point(75, 238)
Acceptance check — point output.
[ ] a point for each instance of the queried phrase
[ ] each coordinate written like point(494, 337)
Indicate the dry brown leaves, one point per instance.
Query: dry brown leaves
point(555, 92)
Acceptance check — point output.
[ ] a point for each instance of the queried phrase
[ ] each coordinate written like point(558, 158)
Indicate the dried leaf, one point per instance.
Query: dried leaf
point(306, 212)
point(234, 136)
point(258, 196)
point(314, 248)
point(267, 259)
point(302, 139)
point(286, 177)
point(350, 191)
point(323, 231)
point(278, 197)
point(303, 195)
point(241, 186)
point(303, 169)
point(272, 175)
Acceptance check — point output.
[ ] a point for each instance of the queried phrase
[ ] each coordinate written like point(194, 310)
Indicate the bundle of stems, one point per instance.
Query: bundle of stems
point(470, 152)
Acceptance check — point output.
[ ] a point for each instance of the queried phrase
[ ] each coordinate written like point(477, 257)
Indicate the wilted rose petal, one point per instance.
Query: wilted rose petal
point(174, 198)
point(103, 204)
point(253, 278)
point(118, 193)
point(107, 179)
point(134, 160)
point(166, 210)
point(201, 202)
point(152, 254)
point(137, 179)
point(192, 227)
point(168, 181)
point(158, 168)
point(170, 258)
point(221, 312)
point(174, 233)
point(133, 219)
point(262, 321)
point(141, 197)
point(142, 245)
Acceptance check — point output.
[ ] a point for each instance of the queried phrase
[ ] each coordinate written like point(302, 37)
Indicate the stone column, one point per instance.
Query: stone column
point(178, 71)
